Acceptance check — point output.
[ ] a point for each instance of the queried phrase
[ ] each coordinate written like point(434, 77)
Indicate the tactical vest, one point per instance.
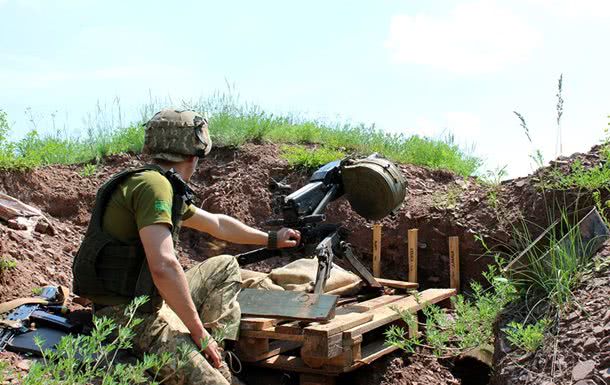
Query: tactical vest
point(106, 266)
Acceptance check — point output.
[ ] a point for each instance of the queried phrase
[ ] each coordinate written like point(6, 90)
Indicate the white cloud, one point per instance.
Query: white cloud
point(475, 37)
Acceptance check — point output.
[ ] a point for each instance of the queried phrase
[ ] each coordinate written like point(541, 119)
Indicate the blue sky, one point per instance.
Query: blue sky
point(416, 67)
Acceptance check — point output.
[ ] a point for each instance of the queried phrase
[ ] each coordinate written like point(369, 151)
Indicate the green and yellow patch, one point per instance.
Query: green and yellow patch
point(161, 206)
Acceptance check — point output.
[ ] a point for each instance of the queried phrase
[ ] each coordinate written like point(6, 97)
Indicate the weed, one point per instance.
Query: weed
point(88, 170)
point(85, 359)
point(299, 156)
point(445, 200)
point(37, 290)
point(528, 338)
point(6, 264)
point(471, 326)
point(492, 179)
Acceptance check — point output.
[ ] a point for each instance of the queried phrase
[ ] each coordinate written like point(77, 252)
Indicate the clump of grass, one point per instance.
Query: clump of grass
point(471, 325)
point(37, 290)
point(549, 270)
point(527, 337)
point(6, 264)
point(88, 170)
point(591, 179)
point(308, 158)
point(492, 179)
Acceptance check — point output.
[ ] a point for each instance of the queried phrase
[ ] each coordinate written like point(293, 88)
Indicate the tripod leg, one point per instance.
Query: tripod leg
point(324, 266)
point(357, 266)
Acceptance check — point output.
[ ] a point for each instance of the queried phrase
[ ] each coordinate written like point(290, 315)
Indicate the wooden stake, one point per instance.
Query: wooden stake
point(412, 262)
point(377, 250)
point(454, 263)
point(412, 254)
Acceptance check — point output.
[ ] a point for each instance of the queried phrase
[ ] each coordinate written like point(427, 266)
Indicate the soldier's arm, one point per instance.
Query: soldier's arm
point(170, 280)
point(230, 229)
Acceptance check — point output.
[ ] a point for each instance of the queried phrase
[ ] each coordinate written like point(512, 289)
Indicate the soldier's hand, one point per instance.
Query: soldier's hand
point(288, 237)
point(211, 349)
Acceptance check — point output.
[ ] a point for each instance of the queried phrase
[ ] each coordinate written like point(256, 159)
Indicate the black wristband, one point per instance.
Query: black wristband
point(272, 240)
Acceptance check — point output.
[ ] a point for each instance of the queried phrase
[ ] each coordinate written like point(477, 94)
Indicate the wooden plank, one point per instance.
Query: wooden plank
point(248, 323)
point(271, 334)
point(374, 303)
point(387, 314)
point(275, 348)
point(397, 284)
point(294, 364)
point(373, 351)
point(287, 304)
point(454, 263)
point(317, 350)
point(412, 254)
point(338, 324)
point(292, 327)
point(377, 250)
point(249, 348)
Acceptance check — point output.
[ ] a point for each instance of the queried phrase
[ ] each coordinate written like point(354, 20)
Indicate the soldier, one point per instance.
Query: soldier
point(128, 251)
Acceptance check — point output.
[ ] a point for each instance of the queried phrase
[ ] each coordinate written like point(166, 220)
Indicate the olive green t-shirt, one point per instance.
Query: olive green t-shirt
point(143, 199)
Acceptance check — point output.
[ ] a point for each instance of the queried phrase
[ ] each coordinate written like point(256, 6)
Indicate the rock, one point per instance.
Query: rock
point(599, 331)
point(16, 225)
point(605, 375)
point(584, 382)
point(583, 370)
point(590, 345)
point(24, 365)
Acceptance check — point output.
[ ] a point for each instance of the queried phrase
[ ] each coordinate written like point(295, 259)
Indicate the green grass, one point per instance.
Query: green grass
point(527, 337)
point(6, 264)
point(233, 123)
point(303, 157)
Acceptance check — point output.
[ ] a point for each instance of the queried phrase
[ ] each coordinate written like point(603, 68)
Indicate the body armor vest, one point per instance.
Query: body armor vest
point(106, 266)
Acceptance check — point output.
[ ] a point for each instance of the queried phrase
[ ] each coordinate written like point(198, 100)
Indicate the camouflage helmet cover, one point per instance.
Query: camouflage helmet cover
point(174, 135)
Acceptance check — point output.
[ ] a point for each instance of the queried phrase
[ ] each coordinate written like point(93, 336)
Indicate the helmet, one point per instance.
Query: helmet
point(174, 135)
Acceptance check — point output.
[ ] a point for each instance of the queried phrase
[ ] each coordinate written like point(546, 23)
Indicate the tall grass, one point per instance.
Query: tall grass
point(233, 123)
point(551, 266)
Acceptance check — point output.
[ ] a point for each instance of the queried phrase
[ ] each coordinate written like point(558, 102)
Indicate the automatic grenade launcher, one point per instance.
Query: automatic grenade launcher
point(373, 186)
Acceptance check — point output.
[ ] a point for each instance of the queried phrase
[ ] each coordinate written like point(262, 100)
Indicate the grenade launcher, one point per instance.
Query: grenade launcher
point(373, 186)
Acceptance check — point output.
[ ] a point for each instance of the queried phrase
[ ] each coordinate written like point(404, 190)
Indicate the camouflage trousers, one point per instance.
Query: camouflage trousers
point(214, 285)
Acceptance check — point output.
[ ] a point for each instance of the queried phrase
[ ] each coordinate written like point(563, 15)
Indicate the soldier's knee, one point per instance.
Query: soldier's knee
point(227, 263)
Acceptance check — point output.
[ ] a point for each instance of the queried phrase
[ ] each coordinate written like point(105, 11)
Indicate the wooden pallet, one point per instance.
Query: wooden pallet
point(322, 350)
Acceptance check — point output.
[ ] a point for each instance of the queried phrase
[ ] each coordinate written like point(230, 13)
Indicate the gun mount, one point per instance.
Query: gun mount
point(304, 209)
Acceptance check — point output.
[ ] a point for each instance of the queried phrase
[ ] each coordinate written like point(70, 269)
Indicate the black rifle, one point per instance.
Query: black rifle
point(303, 210)
point(17, 333)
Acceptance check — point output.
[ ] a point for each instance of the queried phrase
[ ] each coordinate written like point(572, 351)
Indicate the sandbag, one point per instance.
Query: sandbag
point(300, 275)
point(373, 186)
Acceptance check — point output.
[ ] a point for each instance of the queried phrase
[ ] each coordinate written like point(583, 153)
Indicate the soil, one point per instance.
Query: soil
point(235, 182)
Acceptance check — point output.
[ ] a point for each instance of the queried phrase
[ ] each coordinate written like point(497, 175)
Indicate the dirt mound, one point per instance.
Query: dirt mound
point(396, 369)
